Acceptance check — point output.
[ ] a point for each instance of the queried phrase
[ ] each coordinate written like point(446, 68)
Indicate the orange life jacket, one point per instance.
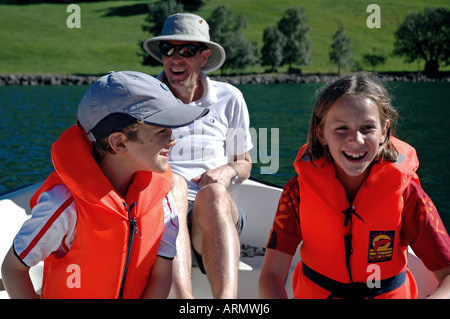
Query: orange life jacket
point(116, 239)
point(376, 220)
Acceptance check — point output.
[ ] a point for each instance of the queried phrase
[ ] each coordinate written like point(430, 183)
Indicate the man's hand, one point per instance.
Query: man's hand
point(222, 175)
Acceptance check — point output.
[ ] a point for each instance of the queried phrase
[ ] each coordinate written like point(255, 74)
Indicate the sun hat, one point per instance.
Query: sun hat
point(120, 99)
point(187, 27)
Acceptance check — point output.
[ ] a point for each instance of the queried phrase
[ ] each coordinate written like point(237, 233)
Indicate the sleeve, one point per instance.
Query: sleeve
point(423, 229)
point(50, 229)
point(238, 135)
point(285, 235)
point(167, 246)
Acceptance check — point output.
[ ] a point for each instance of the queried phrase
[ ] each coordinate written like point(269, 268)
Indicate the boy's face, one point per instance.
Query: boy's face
point(150, 151)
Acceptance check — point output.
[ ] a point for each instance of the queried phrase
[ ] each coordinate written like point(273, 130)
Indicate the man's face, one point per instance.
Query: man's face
point(184, 72)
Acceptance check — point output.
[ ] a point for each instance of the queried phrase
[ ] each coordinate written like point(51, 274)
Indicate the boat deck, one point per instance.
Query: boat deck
point(258, 200)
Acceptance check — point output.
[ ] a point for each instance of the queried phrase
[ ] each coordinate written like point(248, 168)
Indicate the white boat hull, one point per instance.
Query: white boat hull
point(258, 200)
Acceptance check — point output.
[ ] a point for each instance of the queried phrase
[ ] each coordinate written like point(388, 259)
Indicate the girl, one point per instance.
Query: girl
point(356, 205)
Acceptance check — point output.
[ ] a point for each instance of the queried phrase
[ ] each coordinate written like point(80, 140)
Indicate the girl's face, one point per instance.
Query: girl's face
point(353, 133)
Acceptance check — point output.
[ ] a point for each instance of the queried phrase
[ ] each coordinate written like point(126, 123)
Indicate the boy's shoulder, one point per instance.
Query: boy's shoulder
point(53, 219)
point(56, 195)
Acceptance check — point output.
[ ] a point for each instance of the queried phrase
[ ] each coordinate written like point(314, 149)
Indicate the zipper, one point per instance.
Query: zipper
point(134, 231)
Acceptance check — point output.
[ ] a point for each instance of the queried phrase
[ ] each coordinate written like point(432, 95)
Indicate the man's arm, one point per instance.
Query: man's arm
point(223, 174)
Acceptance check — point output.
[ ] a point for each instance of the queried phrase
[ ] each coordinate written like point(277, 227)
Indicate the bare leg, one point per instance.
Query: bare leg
point(182, 264)
point(215, 237)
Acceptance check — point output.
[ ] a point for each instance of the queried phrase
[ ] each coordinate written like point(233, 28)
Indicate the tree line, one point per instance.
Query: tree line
point(421, 36)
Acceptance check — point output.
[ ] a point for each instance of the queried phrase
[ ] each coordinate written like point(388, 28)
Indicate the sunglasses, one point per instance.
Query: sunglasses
point(185, 50)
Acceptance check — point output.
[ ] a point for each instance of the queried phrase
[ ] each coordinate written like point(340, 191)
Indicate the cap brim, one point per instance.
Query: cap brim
point(177, 116)
point(215, 60)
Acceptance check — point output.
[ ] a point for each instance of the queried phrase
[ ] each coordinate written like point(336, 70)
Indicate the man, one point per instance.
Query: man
point(211, 154)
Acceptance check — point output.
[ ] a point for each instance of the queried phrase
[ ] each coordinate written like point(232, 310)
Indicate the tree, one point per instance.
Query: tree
point(297, 49)
point(191, 5)
point(225, 30)
point(241, 53)
point(272, 50)
point(341, 49)
point(425, 36)
point(373, 59)
point(157, 14)
point(160, 10)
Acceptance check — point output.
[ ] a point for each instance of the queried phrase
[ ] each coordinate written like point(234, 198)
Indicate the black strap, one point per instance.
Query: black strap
point(348, 216)
point(356, 290)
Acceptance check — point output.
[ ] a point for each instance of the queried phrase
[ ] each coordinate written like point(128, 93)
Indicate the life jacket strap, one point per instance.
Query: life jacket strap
point(355, 290)
point(348, 216)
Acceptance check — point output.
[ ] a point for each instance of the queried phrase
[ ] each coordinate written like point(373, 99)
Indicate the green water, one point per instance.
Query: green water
point(31, 118)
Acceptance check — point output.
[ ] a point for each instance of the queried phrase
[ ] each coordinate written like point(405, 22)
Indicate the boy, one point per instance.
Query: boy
point(103, 221)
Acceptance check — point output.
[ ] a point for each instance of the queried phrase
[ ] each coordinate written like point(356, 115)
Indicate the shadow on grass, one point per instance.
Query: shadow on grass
point(122, 11)
point(126, 11)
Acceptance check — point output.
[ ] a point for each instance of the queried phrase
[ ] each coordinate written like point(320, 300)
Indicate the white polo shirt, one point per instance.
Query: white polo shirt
point(214, 139)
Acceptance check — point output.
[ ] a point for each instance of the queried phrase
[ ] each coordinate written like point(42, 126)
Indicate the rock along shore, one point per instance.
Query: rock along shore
point(57, 79)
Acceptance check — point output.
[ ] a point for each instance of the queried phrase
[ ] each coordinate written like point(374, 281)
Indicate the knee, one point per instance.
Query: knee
point(215, 194)
point(214, 209)
point(214, 202)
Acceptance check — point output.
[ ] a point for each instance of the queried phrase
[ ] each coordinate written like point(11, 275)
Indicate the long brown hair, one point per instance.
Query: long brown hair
point(361, 84)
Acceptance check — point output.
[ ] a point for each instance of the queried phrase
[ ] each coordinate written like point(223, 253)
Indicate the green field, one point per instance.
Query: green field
point(35, 39)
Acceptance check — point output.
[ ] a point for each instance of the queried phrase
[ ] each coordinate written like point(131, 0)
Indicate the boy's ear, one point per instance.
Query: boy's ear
point(117, 141)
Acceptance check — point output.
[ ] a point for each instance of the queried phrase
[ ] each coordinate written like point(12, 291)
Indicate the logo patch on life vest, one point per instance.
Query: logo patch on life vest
point(381, 246)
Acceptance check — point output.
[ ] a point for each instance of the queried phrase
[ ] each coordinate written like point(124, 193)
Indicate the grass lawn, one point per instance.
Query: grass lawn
point(36, 39)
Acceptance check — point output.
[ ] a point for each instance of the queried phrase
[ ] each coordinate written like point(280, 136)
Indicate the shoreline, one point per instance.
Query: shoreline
point(72, 79)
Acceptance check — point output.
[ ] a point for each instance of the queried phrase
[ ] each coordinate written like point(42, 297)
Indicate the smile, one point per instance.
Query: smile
point(164, 154)
point(177, 71)
point(354, 155)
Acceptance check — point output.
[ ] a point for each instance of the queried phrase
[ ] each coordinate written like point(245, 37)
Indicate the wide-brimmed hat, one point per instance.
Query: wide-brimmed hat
point(187, 27)
point(120, 99)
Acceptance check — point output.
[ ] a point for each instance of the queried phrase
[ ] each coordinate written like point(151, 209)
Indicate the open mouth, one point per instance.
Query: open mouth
point(354, 156)
point(164, 154)
point(177, 71)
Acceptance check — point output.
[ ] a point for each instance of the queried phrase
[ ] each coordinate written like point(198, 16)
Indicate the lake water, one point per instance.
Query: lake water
point(31, 118)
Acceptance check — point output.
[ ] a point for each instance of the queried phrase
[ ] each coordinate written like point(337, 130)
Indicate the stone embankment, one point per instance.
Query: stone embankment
point(55, 79)
point(324, 78)
point(46, 79)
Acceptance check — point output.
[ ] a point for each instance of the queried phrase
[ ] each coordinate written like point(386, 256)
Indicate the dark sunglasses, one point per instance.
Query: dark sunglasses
point(185, 50)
